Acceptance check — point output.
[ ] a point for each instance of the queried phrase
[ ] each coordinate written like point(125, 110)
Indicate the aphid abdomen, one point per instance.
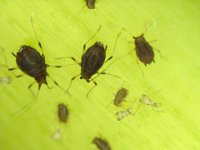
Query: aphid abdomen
point(92, 60)
point(31, 62)
point(90, 4)
point(145, 52)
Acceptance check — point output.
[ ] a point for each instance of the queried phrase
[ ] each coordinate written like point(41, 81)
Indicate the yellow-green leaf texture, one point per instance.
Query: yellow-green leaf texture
point(63, 26)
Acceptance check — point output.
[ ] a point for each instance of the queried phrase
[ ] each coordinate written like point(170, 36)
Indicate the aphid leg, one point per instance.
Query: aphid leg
point(39, 43)
point(72, 58)
point(70, 84)
point(95, 84)
point(84, 46)
point(58, 66)
point(11, 69)
point(30, 86)
point(56, 83)
point(105, 73)
point(140, 67)
point(109, 58)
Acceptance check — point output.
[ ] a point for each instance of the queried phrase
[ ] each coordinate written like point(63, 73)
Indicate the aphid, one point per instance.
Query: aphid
point(147, 101)
point(101, 144)
point(63, 113)
point(32, 63)
point(5, 79)
point(120, 96)
point(121, 114)
point(144, 50)
point(92, 60)
point(90, 4)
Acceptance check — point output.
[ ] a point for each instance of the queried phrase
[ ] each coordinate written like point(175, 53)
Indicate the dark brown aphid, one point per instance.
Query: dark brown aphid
point(93, 59)
point(120, 96)
point(101, 144)
point(30, 61)
point(63, 113)
point(144, 50)
point(90, 4)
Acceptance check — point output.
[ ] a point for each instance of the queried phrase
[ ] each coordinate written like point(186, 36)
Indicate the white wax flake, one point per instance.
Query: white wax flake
point(122, 114)
point(5, 79)
point(147, 101)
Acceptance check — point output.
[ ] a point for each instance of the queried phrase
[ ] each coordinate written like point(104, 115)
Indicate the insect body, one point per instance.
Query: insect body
point(90, 4)
point(92, 60)
point(144, 50)
point(32, 63)
point(121, 114)
point(63, 112)
point(120, 97)
point(147, 101)
point(101, 144)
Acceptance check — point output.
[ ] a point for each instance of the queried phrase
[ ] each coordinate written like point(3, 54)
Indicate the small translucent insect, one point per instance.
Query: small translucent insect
point(5, 79)
point(120, 96)
point(90, 4)
point(122, 114)
point(144, 99)
point(63, 113)
point(101, 144)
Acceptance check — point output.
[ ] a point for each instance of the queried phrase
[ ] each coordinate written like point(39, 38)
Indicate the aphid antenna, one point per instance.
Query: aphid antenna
point(84, 46)
point(128, 32)
point(70, 84)
point(26, 107)
point(39, 43)
point(117, 38)
point(79, 11)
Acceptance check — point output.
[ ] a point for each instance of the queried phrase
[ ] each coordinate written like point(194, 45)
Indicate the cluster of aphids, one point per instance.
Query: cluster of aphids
point(32, 63)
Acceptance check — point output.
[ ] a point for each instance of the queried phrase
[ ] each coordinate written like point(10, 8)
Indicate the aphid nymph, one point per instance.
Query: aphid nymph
point(63, 113)
point(144, 50)
point(101, 144)
point(90, 4)
point(120, 96)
